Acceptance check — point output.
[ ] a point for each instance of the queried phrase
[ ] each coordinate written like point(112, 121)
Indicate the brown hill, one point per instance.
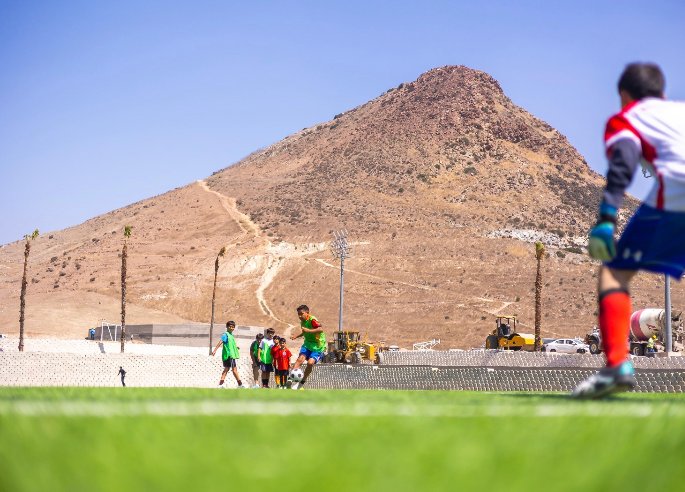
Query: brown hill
point(442, 183)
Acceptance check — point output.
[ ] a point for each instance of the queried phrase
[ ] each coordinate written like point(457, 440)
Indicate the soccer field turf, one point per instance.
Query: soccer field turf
point(192, 439)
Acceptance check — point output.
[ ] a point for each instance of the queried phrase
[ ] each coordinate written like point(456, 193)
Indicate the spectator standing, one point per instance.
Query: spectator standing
point(282, 356)
point(274, 355)
point(265, 357)
point(254, 351)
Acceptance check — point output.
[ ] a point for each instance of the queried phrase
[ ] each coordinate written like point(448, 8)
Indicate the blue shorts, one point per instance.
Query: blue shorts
point(310, 354)
point(652, 241)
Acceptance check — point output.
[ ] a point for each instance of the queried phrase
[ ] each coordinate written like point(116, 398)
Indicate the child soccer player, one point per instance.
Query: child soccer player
point(254, 349)
point(650, 130)
point(274, 355)
point(229, 354)
point(314, 343)
point(282, 356)
point(265, 357)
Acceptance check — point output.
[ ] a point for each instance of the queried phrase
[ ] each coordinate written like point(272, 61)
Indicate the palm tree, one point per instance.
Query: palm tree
point(124, 254)
point(222, 252)
point(539, 254)
point(22, 297)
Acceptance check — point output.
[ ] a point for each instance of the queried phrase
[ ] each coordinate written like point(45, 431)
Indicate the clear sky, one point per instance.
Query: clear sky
point(104, 103)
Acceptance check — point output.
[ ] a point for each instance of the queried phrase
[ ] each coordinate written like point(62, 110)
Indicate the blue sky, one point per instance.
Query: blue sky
point(106, 103)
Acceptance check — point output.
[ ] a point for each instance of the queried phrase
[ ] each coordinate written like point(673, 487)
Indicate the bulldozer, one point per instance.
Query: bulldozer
point(348, 347)
point(506, 337)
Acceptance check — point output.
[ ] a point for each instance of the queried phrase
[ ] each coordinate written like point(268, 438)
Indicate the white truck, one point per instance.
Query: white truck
point(643, 324)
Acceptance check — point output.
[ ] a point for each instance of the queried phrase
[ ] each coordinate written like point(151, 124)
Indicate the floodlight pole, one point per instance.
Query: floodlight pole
point(668, 335)
point(342, 292)
point(340, 249)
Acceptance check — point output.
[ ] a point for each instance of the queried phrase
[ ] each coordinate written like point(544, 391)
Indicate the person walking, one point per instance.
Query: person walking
point(648, 130)
point(229, 354)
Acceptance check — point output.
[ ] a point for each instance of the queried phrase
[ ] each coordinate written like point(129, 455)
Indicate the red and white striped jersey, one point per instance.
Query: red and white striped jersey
point(657, 127)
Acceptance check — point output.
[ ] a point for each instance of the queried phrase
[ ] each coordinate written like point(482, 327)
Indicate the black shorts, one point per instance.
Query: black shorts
point(282, 372)
point(230, 363)
point(266, 367)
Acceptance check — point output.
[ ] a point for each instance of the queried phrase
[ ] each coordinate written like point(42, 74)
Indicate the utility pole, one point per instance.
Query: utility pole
point(668, 336)
point(341, 250)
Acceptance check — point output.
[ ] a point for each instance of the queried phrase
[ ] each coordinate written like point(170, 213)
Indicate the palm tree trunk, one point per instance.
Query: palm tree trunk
point(124, 254)
point(211, 323)
point(22, 297)
point(539, 253)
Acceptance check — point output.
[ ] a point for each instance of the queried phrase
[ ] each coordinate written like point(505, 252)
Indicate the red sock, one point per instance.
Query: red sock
point(614, 323)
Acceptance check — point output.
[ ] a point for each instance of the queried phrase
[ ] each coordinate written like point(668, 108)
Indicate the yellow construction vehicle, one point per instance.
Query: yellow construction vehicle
point(506, 337)
point(348, 347)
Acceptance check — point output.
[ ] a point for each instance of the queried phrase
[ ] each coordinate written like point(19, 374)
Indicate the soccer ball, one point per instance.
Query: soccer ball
point(297, 375)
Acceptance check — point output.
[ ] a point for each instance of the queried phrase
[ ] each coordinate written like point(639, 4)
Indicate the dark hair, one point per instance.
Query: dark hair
point(303, 307)
point(230, 323)
point(260, 335)
point(642, 80)
point(270, 330)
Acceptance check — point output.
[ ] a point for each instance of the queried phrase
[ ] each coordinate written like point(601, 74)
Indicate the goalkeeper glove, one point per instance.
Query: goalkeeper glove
point(602, 245)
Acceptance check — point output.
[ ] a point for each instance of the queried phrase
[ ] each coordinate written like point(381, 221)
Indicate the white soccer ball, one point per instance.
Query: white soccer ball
point(297, 375)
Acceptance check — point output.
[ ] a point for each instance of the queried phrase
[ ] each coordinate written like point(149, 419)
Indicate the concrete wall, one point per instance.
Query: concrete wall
point(97, 347)
point(508, 358)
point(190, 334)
point(54, 362)
point(85, 363)
point(477, 378)
point(60, 369)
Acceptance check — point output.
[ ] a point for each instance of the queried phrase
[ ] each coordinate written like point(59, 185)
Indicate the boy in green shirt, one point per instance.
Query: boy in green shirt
point(314, 344)
point(230, 354)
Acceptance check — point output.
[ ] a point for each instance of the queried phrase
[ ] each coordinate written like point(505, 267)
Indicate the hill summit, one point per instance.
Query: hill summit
point(425, 152)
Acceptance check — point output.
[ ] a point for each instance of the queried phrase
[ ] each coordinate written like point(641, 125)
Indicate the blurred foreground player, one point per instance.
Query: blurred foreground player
point(650, 131)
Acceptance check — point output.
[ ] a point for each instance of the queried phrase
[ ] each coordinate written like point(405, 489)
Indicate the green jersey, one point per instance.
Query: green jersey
point(230, 350)
point(266, 356)
point(316, 342)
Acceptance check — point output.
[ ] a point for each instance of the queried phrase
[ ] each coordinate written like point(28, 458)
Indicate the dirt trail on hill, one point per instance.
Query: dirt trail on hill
point(246, 225)
point(271, 257)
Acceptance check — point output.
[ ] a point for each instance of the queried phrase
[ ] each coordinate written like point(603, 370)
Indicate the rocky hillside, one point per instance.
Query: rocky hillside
point(443, 185)
point(429, 151)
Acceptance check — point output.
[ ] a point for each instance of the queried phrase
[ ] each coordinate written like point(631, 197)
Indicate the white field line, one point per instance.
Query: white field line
point(211, 407)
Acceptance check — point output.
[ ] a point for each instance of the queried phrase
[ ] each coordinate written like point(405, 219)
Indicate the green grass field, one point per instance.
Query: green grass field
point(243, 440)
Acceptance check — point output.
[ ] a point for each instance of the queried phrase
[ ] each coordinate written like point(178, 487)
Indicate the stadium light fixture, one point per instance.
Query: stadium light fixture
point(341, 250)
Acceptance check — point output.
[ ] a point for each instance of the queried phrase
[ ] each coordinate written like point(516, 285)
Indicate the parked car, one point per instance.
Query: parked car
point(566, 346)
